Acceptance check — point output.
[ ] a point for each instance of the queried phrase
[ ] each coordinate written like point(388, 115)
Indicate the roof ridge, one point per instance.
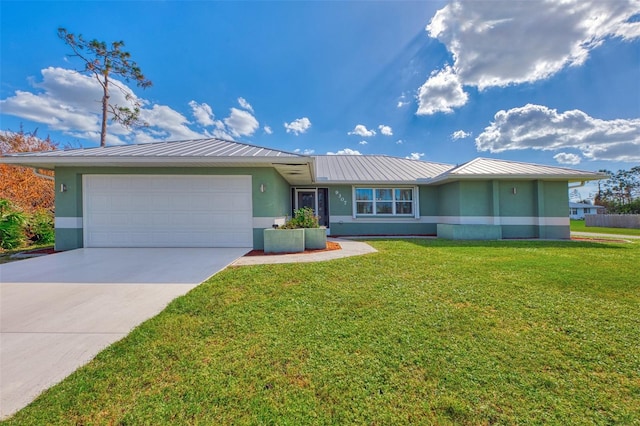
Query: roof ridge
point(383, 155)
point(526, 163)
point(182, 141)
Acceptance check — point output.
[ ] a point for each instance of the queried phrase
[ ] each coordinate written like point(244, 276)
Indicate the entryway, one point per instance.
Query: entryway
point(316, 199)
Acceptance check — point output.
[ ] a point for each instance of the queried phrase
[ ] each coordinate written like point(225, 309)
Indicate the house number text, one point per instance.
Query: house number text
point(340, 197)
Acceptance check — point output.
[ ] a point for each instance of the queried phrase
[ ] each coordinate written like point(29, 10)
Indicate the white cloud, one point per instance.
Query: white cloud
point(168, 123)
point(441, 93)
point(298, 126)
point(304, 151)
point(346, 151)
point(244, 104)
point(402, 101)
point(399, 142)
point(363, 142)
point(539, 127)
point(241, 123)
point(65, 100)
point(361, 130)
point(385, 130)
point(460, 134)
point(505, 42)
point(202, 113)
point(68, 101)
point(567, 158)
point(42, 108)
point(415, 156)
point(540, 38)
point(267, 130)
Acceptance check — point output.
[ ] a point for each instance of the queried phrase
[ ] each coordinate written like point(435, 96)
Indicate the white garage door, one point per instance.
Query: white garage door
point(167, 211)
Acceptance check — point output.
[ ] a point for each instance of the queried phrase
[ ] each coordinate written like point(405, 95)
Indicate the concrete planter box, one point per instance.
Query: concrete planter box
point(315, 238)
point(283, 240)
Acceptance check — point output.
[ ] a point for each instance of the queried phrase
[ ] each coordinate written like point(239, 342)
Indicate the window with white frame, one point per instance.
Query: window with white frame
point(384, 201)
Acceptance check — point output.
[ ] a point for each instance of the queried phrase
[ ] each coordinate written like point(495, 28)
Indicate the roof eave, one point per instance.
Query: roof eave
point(321, 181)
point(49, 162)
point(555, 177)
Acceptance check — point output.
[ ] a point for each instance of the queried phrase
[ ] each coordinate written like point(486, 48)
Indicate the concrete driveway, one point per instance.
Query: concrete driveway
point(58, 311)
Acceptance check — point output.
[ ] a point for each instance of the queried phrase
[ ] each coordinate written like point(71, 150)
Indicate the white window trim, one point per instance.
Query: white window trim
point(415, 202)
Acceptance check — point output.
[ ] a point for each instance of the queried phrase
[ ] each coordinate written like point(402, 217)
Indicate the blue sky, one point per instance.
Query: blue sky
point(547, 82)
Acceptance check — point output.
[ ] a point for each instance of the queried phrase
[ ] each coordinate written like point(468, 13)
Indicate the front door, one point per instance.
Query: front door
point(316, 200)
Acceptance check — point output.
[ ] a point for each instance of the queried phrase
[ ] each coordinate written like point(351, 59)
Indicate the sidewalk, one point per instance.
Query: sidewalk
point(349, 248)
point(594, 234)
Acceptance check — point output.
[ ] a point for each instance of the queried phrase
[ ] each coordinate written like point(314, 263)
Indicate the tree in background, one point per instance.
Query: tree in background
point(575, 196)
point(102, 62)
point(620, 193)
point(20, 185)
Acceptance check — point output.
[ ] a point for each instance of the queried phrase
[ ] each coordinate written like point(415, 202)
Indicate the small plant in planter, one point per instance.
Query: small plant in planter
point(305, 233)
point(302, 218)
point(315, 236)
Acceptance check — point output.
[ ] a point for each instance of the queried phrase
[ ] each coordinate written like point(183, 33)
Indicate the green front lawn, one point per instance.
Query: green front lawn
point(423, 332)
point(578, 226)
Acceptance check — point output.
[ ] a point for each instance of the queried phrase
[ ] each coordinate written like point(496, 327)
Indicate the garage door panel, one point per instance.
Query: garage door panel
point(239, 202)
point(167, 211)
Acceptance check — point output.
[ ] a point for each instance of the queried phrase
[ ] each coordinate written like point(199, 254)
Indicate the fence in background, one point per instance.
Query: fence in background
point(613, 220)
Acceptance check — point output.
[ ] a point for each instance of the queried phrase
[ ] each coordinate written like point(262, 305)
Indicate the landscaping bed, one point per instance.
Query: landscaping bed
point(330, 246)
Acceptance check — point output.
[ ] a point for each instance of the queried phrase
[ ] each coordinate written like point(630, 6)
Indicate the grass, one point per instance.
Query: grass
point(422, 332)
point(579, 226)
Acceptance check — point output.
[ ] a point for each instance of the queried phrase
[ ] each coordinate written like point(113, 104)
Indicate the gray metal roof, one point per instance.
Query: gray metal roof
point(296, 169)
point(201, 148)
point(488, 168)
point(375, 169)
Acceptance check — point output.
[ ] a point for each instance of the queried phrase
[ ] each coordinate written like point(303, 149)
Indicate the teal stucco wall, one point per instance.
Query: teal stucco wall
point(535, 210)
point(449, 199)
point(522, 208)
point(342, 222)
point(274, 202)
point(519, 208)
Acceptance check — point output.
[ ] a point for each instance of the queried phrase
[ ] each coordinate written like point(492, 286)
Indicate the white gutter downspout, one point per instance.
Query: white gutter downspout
point(37, 173)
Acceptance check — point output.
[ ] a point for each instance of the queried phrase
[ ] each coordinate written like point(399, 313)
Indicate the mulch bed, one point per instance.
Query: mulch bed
point(330, 246)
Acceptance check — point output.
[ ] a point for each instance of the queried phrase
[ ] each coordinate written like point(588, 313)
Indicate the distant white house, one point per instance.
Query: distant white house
point(578, 210)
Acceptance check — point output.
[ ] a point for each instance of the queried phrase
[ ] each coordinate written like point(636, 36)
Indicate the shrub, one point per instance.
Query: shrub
point(12, 223)
point(302, 218)
point(40, 229)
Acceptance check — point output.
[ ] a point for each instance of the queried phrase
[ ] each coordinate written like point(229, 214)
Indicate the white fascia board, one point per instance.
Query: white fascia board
point(50, 162)
point(378, 184)
point(560, 177)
